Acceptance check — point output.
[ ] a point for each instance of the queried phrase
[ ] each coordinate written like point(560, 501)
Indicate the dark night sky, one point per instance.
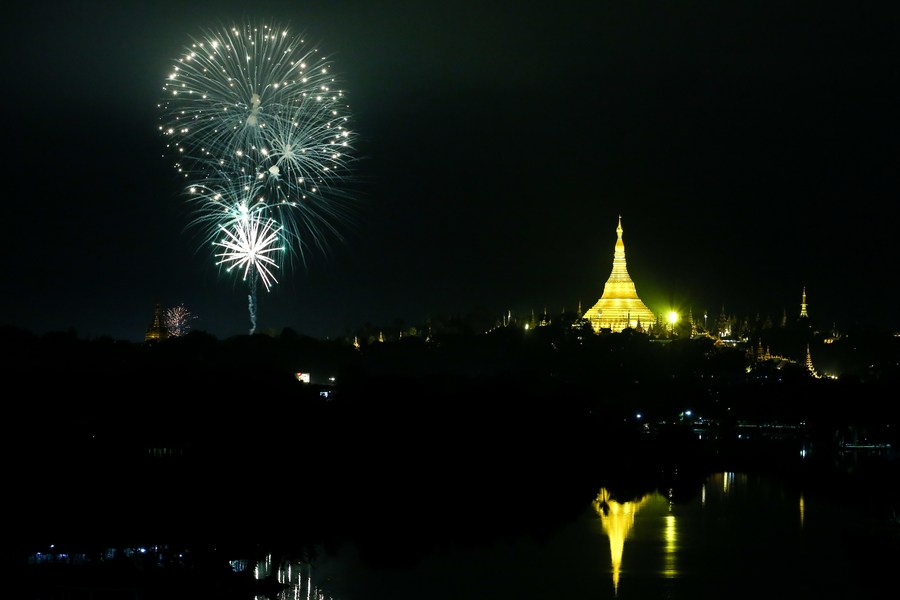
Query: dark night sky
point(751, 148)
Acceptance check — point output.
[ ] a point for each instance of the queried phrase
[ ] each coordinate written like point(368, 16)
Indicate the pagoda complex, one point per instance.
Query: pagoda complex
point(619, 307)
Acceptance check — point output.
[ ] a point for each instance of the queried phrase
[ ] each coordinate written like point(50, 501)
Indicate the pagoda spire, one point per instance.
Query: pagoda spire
point(809, 363)
point(157, 330)
point(803, 313)
point(619, 306)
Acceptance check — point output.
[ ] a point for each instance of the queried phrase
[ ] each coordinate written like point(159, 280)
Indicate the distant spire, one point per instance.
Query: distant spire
point(809, 363)
point(803, 304)
point(157, 330)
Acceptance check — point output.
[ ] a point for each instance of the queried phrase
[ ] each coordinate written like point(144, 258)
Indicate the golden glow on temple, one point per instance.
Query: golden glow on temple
point(617, 519)
point(157, 330)
point(619, 307)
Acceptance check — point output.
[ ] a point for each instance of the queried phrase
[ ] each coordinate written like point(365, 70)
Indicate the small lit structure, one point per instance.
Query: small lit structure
point(809, 364)
point(157, 331)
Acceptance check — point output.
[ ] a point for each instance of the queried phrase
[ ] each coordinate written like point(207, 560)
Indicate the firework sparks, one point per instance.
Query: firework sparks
point(249, 244)
point(305, 159)
point(229, 86)
point(177, 320)
point(259, 127)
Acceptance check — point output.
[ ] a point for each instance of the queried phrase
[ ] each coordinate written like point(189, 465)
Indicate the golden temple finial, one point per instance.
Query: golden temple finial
point(803, 304)
point(809, 364)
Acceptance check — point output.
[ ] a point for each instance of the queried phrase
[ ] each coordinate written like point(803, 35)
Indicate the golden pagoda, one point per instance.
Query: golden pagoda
point(157, 331)
point(619, 307)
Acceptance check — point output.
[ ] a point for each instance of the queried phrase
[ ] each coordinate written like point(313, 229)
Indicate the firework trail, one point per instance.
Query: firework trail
point(257, 126)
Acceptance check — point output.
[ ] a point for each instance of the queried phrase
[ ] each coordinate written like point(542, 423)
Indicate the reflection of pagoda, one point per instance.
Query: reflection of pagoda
point(617, 519)
point(619, 307)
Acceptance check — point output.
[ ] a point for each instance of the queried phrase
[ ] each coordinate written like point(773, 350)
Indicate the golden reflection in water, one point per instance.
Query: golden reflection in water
point(617, 518)
point(802, 509)
point(725, 478)
point(670, 535)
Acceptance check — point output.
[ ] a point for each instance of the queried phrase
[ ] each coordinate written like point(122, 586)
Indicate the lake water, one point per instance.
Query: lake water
point(728, 535)
point(740, 536)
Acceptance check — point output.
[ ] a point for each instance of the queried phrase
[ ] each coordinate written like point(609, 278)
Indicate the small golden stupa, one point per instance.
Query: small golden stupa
point(619, 307)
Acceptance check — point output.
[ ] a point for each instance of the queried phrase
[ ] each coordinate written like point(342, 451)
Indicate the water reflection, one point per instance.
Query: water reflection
point(731, 535)
point(802, 509)
point(617, 519)
point(670, 535)
point(154, 572)
point(728, 535)
point(723, 517)
point(294, 578)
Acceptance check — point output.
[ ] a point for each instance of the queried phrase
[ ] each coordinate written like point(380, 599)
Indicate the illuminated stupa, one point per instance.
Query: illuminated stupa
point(157, 330)
point(619, 307)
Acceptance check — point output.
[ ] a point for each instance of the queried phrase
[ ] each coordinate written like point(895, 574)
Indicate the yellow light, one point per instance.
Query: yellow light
point(673, 317)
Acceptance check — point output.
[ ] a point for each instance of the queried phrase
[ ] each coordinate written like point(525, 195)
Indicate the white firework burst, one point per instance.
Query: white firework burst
point(249, 244)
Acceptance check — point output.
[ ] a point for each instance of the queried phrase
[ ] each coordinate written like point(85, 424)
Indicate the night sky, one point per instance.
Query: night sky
point(751, 149)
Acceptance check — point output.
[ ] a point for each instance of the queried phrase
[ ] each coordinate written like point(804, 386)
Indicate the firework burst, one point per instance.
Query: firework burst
point(305, 159)
point(258, 126)
point(250, 244)
point(177, 320)
point(231, 84)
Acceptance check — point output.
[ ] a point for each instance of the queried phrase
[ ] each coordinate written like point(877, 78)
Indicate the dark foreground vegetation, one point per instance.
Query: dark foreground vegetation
point(205, 442)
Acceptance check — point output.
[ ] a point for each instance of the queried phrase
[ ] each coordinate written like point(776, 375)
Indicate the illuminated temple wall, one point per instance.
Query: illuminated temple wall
point(619, 306)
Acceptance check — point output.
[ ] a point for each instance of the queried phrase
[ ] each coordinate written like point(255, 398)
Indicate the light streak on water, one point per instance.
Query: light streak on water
point(670, 535)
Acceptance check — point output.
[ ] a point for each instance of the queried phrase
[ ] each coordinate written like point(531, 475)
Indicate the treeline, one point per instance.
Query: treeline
point(508, 368)
point(194, 421)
